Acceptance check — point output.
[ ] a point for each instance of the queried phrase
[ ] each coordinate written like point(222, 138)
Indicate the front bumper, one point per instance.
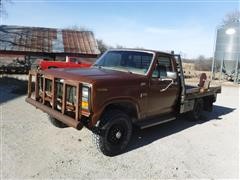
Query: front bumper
point(58, 115)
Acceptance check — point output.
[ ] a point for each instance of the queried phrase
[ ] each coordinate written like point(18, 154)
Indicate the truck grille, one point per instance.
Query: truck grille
point(70, 89)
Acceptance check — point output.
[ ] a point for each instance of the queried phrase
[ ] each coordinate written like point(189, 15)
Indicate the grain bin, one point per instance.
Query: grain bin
point(227, 52)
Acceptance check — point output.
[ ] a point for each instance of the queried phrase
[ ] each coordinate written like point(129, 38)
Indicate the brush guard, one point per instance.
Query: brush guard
point(45, 95)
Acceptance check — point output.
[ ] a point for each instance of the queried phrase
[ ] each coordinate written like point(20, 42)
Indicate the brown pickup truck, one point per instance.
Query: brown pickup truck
point(125, 87)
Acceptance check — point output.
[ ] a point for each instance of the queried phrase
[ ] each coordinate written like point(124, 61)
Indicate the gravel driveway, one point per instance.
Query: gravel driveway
point(32, 148)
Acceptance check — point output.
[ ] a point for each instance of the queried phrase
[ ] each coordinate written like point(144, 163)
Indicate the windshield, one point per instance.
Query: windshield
point(129, 61)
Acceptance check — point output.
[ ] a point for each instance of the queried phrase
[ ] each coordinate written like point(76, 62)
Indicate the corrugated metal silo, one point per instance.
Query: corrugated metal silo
point(227, 51)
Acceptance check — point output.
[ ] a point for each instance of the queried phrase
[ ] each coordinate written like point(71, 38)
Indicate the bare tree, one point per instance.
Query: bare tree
point(202, 63)
point(3, 11)
point(118, 46)
point(102, 46)
point(230, 17)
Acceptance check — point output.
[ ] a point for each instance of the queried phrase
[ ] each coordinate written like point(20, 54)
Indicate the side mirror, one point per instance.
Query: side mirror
point(171, 75)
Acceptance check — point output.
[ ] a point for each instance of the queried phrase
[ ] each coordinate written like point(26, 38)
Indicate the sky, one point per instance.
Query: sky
point(185, 26)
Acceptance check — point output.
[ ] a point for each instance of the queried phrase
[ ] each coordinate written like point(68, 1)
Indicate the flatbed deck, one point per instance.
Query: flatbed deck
point(193, 92)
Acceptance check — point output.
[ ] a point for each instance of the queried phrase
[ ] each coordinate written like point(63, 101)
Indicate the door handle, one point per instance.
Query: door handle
point(171, 83)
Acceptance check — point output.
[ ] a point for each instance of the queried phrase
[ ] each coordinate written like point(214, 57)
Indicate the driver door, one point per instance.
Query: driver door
point(162, 97)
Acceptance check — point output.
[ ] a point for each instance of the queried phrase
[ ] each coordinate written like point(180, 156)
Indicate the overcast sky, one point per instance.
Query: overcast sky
point(184, 26)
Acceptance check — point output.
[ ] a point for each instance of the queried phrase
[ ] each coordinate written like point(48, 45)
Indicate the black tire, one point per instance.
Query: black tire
point(196, 113)
point(117, 130)
point(56, 122)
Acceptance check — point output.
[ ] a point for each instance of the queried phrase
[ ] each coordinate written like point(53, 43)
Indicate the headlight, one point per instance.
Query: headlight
point(85, 98)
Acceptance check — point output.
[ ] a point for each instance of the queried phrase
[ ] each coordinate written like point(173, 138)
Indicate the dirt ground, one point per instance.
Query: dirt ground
point(32, 148)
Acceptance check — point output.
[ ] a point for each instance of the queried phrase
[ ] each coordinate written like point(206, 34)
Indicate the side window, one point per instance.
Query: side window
point(141, 62)
point(164, 65)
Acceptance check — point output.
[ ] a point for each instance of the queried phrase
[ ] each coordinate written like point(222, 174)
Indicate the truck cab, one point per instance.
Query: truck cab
point(125, 87)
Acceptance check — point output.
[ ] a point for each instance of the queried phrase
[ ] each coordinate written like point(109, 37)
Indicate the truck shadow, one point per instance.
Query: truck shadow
point(147, 136)
point(11, 88)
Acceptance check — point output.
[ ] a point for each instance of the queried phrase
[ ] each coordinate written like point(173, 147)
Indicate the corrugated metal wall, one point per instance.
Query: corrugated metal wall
point(227, 50)
point(47, 40)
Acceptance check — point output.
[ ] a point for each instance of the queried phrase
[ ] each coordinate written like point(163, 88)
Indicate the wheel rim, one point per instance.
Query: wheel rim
point(116, 134)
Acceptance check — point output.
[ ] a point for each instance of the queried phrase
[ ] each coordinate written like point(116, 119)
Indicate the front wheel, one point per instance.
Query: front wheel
point(117, 130)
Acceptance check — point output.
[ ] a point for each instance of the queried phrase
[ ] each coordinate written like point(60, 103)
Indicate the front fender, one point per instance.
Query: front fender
point(96, 116)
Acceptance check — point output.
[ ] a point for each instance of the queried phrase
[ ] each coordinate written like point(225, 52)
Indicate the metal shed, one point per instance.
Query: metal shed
point(47, 41)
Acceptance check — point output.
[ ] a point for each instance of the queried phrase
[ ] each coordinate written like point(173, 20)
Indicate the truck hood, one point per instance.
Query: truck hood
point(92, 75)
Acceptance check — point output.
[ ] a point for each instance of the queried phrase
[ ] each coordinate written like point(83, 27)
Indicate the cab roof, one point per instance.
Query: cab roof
point(141, 50)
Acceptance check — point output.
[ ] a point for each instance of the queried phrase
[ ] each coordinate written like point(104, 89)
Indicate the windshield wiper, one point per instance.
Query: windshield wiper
point(130, 72)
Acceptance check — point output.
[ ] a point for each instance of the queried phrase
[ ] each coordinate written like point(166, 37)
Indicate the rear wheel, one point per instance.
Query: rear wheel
point(56, 122)
point(196, 113)
point(117, 131)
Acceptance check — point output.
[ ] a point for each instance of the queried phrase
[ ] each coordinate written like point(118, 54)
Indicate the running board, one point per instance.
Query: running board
point(153, 122)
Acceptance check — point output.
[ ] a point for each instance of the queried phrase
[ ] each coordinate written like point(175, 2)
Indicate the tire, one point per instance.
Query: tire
point(56, 122)
point(117, 131)
point(196, 113)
